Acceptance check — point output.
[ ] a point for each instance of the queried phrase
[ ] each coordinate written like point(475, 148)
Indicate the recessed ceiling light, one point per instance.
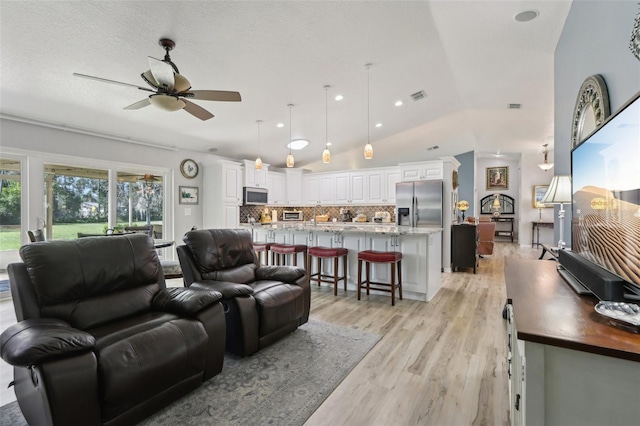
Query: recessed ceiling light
point(398, 103)
point(379, 125)
point(329, 143)
point(526, 16)
point(298, 144)
point(280, 125)
point(339, 97)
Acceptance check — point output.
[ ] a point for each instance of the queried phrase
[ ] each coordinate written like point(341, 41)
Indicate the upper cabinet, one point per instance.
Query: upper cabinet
point(381, 184)
point(221, 194)
point(350, 188)
point(293, 193)
point(255, 178)
point(276, 188)
point(426, 170)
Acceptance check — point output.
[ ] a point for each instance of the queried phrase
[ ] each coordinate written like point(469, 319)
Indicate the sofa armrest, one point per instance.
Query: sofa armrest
point(286, 274)
point(36, 340)
point(228, 289)
point(184, 301)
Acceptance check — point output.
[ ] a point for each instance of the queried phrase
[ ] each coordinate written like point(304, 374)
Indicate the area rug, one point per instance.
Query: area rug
point(283, 384)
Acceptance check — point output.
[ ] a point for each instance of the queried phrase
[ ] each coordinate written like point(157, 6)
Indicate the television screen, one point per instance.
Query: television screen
point(605, 171)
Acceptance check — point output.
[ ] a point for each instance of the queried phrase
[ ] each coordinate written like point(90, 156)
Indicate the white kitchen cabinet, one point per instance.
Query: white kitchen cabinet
point(381, 185)
point(318, 189)
point(221, 194)
point(276, 187)
point(426, 170)
point(293, 194)
point(255, 178)
point(310, 185)
point(350, 188)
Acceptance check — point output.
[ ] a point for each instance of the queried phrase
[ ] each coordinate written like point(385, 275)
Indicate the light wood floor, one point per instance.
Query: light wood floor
point(438, 363)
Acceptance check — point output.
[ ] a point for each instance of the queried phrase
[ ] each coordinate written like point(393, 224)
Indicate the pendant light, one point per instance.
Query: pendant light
point(290, 161)
point(259, 160)
point(326, 155)
point(545, 165)
point(368, 149)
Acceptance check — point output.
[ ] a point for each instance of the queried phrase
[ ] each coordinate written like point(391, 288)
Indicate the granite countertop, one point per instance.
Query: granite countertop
point(355, 227)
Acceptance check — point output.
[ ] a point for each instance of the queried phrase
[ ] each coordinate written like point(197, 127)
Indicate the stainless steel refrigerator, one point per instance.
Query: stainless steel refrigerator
point(419, 203)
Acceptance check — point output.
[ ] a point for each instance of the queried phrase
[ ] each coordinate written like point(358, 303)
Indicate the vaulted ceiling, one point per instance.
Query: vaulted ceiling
point(471, 58)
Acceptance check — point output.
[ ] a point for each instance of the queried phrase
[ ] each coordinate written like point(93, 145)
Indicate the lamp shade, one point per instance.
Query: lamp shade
point(463, 205)
point(326, 156)
point(167, 102)
point(290, 160)
point(559, 191)
point(368, 152)
point(496, 203)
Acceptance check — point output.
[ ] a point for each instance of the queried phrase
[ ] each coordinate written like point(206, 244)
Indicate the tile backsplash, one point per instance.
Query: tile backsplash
point(307, 212)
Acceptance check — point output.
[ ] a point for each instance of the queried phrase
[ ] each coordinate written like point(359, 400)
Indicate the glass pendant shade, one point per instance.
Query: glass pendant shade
point(290, 160)
point(166, 102)
point(326, 156)
point(368, 152)
point(258, 163)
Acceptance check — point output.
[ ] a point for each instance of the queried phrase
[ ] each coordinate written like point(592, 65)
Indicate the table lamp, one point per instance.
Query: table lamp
point(559, 192)
point(463, 206)
point(496, 207)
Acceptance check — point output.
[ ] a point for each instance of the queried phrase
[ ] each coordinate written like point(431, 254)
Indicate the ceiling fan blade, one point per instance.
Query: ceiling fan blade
point(213, 95)
point(140, 104)
point(196, 110)
point(163, 73)
point(104, 80)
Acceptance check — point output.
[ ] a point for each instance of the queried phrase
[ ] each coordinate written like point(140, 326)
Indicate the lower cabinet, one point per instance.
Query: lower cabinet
point(464, 240)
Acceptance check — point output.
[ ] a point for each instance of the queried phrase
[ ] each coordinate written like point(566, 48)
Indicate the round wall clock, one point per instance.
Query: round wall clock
point(189, 168)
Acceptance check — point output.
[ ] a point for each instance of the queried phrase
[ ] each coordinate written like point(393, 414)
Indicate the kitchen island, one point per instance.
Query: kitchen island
point(421, 249)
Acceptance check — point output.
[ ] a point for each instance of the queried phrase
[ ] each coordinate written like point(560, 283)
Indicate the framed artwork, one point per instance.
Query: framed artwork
point(188, 195)
point(497, 178)
point(538, 193)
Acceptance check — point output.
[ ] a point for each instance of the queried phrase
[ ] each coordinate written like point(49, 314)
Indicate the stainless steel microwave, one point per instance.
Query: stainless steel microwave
point(254, 196)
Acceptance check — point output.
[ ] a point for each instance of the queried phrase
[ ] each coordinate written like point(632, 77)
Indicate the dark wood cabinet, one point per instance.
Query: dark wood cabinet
point(464, 242)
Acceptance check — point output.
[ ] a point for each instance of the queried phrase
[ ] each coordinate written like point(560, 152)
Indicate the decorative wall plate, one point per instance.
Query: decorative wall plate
point(592, 108)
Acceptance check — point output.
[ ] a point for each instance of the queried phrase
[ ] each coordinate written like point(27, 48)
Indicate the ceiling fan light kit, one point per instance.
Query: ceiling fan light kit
point(171, 88)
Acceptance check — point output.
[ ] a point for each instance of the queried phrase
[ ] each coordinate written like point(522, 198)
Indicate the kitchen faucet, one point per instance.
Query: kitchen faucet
point(315, 222)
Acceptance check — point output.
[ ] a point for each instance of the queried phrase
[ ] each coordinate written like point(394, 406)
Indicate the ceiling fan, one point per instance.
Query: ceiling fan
point(170, 88)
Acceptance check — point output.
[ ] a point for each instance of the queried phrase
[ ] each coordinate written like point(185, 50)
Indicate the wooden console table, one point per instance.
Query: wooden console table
point(504, 232)
point(535, 226)
point(567, 363)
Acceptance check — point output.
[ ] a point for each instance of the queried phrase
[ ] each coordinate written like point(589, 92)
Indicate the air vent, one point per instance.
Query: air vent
point(431, 148)
point(418, 95)
point(513, 106)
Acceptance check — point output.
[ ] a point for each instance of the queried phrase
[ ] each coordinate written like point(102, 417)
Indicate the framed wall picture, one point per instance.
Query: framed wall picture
point(188, 195)
point(538, 193)
point(497, 178)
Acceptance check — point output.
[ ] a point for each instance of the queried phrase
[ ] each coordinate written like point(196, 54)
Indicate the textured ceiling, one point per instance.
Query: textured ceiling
point(470, 57)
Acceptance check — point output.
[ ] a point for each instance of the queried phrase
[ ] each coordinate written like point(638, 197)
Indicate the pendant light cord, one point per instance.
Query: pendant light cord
point(326, 117)
point(290, 105)
point(368, 107)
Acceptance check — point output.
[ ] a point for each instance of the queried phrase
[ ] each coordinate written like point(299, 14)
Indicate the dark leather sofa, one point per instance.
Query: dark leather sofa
point(100, 339)
point(262, 303)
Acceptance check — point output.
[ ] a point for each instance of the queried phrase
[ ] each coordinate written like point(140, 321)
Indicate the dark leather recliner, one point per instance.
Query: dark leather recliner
point(262, 303)
point(100, 339)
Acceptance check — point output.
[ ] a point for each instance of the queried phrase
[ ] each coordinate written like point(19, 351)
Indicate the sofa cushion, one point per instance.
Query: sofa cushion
point(278, 304)
point(138, 367)
point(64, 271)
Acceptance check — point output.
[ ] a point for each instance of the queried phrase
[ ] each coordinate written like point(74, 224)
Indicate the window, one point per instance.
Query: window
point(76, 200)
point(10, 204)
point(140, 199)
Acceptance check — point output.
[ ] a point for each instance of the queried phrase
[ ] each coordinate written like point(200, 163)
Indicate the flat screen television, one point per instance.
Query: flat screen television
point(605, 174)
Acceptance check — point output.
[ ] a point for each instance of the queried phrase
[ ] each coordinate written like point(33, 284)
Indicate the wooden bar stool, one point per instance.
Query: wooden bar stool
point(371, 256)
point(329, 253)
point(280, 251)
point(260, 248)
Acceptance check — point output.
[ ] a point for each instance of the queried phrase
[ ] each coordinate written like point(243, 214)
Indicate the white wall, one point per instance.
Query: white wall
point(532, 175)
